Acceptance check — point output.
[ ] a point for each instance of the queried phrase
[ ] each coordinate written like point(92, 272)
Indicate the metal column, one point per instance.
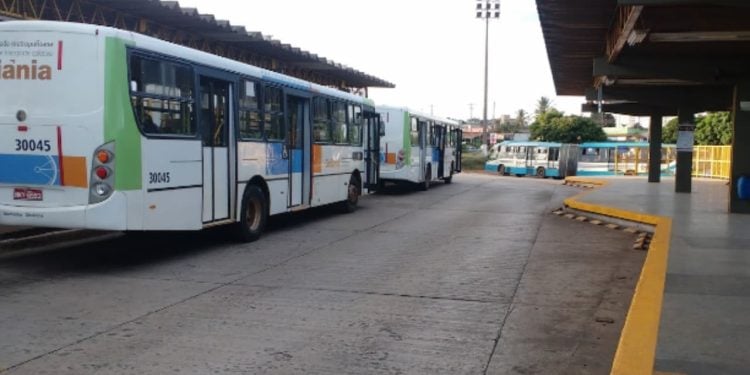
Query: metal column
point(740, 143)
point(654, 149)
point(683, 175)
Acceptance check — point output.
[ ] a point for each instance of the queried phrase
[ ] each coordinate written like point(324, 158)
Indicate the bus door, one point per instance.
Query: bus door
point(440, 145)
point(298, 149)
point(531, 152)
point(215, 122)
point(372, 150)
point(458, 141)
point(423, 129)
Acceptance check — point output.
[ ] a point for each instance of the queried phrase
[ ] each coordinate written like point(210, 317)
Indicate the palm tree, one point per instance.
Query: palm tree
point(542, 106)
point(521, 118)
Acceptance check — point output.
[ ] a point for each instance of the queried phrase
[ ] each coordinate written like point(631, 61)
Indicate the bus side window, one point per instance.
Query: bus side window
point(355, 125)
point(414, 132)
point(250, 119)
point(339, 122)
point(161, 93)
point(274, 114)
point(321, 120)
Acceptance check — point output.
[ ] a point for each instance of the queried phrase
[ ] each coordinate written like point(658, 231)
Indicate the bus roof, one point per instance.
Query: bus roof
point(531, 143)
point(163, 47)
point(618, 144)
point(416, 113)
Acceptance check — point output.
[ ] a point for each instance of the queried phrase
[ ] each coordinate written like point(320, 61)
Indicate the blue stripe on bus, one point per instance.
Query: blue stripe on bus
point(29, 169)
point(296, 161)
point(275, 162)
point(277, 165)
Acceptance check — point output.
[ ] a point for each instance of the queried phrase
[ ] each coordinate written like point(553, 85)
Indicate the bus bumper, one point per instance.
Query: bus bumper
point(108, 215)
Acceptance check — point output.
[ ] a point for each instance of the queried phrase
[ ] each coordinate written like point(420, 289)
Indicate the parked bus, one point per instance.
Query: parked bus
point(541, 159)
point(622, 158)
point(106, 129)
point(418, 148)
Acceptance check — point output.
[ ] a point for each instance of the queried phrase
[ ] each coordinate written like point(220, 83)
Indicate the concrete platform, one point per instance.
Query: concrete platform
point(705, 319)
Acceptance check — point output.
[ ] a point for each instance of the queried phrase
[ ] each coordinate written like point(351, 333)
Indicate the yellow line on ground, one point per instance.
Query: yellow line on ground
point(636, 350)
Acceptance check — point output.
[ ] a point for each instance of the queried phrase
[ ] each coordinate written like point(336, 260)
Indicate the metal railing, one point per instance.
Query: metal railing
point(712, 162)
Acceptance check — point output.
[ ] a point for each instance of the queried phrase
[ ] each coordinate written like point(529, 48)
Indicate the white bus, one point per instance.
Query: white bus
point(418, 148)
point(106, 129)
point(541, 159)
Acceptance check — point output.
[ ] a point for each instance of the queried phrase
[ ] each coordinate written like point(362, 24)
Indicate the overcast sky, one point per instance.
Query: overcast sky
point(432, 50)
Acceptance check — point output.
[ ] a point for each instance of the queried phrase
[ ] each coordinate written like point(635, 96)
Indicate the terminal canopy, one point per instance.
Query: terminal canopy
point(168, 21)
point(645, 57)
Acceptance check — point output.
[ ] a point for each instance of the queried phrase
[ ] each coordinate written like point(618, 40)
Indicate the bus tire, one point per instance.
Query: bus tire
point(349, 205)
point(425, 185)
point(449, 179)
point(540, 172)
point(501, 170)
point(253, 216)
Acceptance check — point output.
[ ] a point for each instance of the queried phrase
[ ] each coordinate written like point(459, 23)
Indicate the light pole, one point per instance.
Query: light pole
point(486, 9)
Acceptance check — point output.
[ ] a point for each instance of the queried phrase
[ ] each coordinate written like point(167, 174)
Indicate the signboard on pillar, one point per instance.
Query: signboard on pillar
point(685, 137)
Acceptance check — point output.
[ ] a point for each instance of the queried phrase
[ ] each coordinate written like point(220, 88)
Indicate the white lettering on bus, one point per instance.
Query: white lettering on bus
point(11, 70)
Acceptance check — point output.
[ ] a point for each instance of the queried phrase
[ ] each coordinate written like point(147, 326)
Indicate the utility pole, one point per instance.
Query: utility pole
point(486, 9)
point(471, 111)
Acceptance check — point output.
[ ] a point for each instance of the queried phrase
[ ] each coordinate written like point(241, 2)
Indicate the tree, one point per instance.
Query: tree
point(669, 131)
point(542, 106)
point(714, 129)
point(521, 118)
point(568, 129)
point(711, 129)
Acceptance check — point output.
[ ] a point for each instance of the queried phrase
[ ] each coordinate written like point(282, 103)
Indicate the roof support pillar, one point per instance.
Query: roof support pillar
point(686, 129)
point(740, 146)
point(654, 149)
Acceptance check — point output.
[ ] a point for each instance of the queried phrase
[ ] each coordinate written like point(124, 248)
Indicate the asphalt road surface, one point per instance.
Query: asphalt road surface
point(473, 277)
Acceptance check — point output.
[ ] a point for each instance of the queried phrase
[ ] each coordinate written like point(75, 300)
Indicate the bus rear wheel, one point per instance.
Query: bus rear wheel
point(424, 186)
point(253, 216)
point(449, 179)
point(540, 172)
point(501, 170)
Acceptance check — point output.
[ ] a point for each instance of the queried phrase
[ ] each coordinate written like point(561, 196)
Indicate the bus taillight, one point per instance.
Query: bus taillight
point(102, 173)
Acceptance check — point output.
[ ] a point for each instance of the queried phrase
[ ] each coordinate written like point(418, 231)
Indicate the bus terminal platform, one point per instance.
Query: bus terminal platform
point(704, 326)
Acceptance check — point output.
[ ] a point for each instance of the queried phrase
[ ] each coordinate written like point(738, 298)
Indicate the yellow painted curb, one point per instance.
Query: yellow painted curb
point(636, 350)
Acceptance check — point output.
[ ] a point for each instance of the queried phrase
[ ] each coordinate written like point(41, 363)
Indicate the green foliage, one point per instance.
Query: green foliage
point(566, 129)
point(669, 132)
point(711, 129)
point(714, 129)
point(543, 105)
point(472, 161)
point(521, 118)
point(547, 117)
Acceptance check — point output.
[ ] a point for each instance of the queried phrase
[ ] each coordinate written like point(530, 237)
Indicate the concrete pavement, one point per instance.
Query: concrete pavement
point(469, 278)
point(705, 326)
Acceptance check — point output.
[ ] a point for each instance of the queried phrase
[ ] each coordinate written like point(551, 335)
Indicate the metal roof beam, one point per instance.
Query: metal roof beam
point(622, 30)
point(730, 3)
point(696, 71)
point(633, 109)
point(700, 36)
point(694, 97)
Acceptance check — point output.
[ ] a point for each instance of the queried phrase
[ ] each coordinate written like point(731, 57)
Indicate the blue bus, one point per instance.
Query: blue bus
point(622, 158)
point(541, 159)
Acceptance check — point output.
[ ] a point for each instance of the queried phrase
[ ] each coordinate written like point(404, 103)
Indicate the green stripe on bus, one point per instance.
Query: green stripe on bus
point(119, 122)
point(407, 138)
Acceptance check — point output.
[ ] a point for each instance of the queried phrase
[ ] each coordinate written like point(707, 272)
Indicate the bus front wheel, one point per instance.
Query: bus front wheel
point(352, 195)
point(253, 216)
point(501, 170)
